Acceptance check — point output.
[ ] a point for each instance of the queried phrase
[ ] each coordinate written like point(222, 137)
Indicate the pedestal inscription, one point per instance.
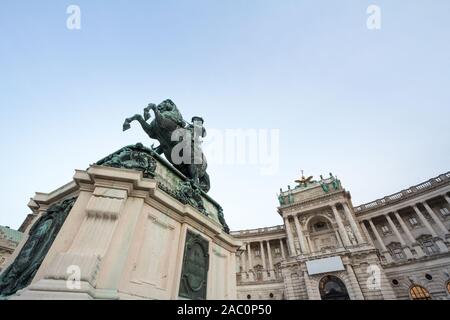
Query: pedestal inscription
point(195, 267)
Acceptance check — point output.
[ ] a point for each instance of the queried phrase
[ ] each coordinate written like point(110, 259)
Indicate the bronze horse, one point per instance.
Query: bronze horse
point(167, 121)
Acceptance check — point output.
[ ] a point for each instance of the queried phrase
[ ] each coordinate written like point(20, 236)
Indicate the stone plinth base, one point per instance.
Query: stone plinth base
point(125, 238)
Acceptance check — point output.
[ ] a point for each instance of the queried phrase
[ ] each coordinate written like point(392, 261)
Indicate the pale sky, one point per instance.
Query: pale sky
point(371, 106)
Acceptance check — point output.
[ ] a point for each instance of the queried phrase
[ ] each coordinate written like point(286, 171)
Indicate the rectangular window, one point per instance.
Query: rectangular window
point(385, 229)
point(444, 211)
point(257, 253)
point(398, 253)
point(413, 221)
point(277, 250)
point(429, 246)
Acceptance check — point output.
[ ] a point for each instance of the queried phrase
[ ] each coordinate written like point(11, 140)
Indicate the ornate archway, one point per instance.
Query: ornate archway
point(333, 288)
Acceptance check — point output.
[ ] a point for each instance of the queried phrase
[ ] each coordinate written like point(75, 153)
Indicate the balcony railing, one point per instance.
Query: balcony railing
point(257, 231)
point(258, 276)
point(405, 194)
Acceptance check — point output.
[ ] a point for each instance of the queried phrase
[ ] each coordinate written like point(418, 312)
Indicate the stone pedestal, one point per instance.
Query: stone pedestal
point(125, 236)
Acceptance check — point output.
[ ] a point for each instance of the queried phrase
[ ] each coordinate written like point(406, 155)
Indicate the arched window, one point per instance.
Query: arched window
point(332, 288)
point(419, 293)
point(320, 226)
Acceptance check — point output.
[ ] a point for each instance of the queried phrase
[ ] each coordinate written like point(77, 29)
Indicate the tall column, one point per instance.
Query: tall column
point(339, 239)
point(269, 254)
point(413, 241)
point(446, 198)
point(244, 261)
point(263, 258)
point(435, 217)
point(283, 255)
point(292, 251)
point(366, 232)
point(309, 243)
point(441, 245)
point(250, 262)
point(394, 228)
point(249, 255)
point(399, 236)
point(300, 235)
point(357, 292)
point(341, 227)
point(404, 227)
point(425, 221)
point(353, 223)
point(380, 241)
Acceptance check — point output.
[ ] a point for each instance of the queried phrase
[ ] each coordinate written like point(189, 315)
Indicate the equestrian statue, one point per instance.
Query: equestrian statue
point(179, 141)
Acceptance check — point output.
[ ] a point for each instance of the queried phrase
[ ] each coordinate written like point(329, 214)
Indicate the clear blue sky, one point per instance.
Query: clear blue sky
point(373, 107)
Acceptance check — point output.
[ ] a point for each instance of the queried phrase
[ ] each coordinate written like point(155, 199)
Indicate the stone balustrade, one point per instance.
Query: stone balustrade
point(257, 231)
point(405, 194)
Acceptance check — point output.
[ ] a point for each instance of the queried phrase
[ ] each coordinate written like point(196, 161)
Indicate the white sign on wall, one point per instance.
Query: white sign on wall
point(325, 265)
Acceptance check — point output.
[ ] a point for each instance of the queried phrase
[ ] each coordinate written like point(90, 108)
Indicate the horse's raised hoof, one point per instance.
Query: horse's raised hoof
point(126, 126)
point(146, 114)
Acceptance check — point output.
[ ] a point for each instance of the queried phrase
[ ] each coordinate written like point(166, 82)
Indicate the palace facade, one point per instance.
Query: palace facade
point(396, 247)
point(9, 239)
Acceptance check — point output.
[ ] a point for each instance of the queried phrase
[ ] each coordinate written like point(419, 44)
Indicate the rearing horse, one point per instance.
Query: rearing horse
point(168, 119)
